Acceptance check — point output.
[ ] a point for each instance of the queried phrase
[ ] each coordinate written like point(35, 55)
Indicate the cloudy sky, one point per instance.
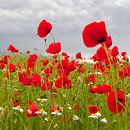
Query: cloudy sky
point(19, 21)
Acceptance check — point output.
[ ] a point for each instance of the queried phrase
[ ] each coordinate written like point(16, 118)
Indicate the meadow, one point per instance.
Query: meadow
point(60, 92)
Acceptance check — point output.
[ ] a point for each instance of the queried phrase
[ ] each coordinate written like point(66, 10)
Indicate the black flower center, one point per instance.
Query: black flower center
point(120, 99)
point(102, 40)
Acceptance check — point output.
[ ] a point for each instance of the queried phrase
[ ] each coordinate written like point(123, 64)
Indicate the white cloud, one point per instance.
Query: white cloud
point(118, 3)
point(19, 21)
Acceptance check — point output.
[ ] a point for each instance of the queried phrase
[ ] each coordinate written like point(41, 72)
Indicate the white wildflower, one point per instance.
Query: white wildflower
point(55, 125)
point(70, 108)
point(41, 111)
point(56, 113)
point(104, 120)
point(79, 79)
point(99, 73)
point(75, 118)
point(59, 113)
point(21, 110)
point(98, 114)
point(43, 99)
point(1, 108)
point(128, 95)
point(95, 116)
point(46, 119)
point(18, 108)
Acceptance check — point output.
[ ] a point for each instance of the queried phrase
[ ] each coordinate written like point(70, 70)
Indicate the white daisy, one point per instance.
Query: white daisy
point(104, 120)
point(75, 118)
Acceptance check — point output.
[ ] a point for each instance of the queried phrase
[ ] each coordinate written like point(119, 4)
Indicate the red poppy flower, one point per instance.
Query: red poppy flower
point(82, 69)
point(31, 64)
point(63, 81)
point(4, 59)
point(61, 69)
point(91, 78)
point(31, 60)
point(27, 72)
point(12, 49)
point(101, 54)
point(32, 109)
point(122, 73)
point(93, 109)
point(16, 94)
point(24, 79)
point(114, 51)
point(94, 34)
point(19, 65)
point(76, 107)
point(128, 71)
point(15, 103)
point(54, 48)
point(44, 28)
point(28, 52)
point(35, 80)
point(119, 106)
point(103, 88)
point(12, 67)
point(65, 55)
point(48, 71)
point(68, 66)
point(78, 55)
point(55, 61)
point(108, 41)
point(123, 53)
point(45, 62)
point(2, 65)
point(71, 66)
point(47, 85)
point(54, 108)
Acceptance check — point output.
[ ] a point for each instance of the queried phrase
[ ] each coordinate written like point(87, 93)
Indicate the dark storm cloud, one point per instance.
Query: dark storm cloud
point(19, 21)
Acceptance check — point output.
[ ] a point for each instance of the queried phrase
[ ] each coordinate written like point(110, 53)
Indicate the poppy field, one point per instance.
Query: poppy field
point(60, 92)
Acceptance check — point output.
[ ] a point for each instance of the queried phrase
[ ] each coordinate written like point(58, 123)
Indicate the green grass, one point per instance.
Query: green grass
point(78, 94)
